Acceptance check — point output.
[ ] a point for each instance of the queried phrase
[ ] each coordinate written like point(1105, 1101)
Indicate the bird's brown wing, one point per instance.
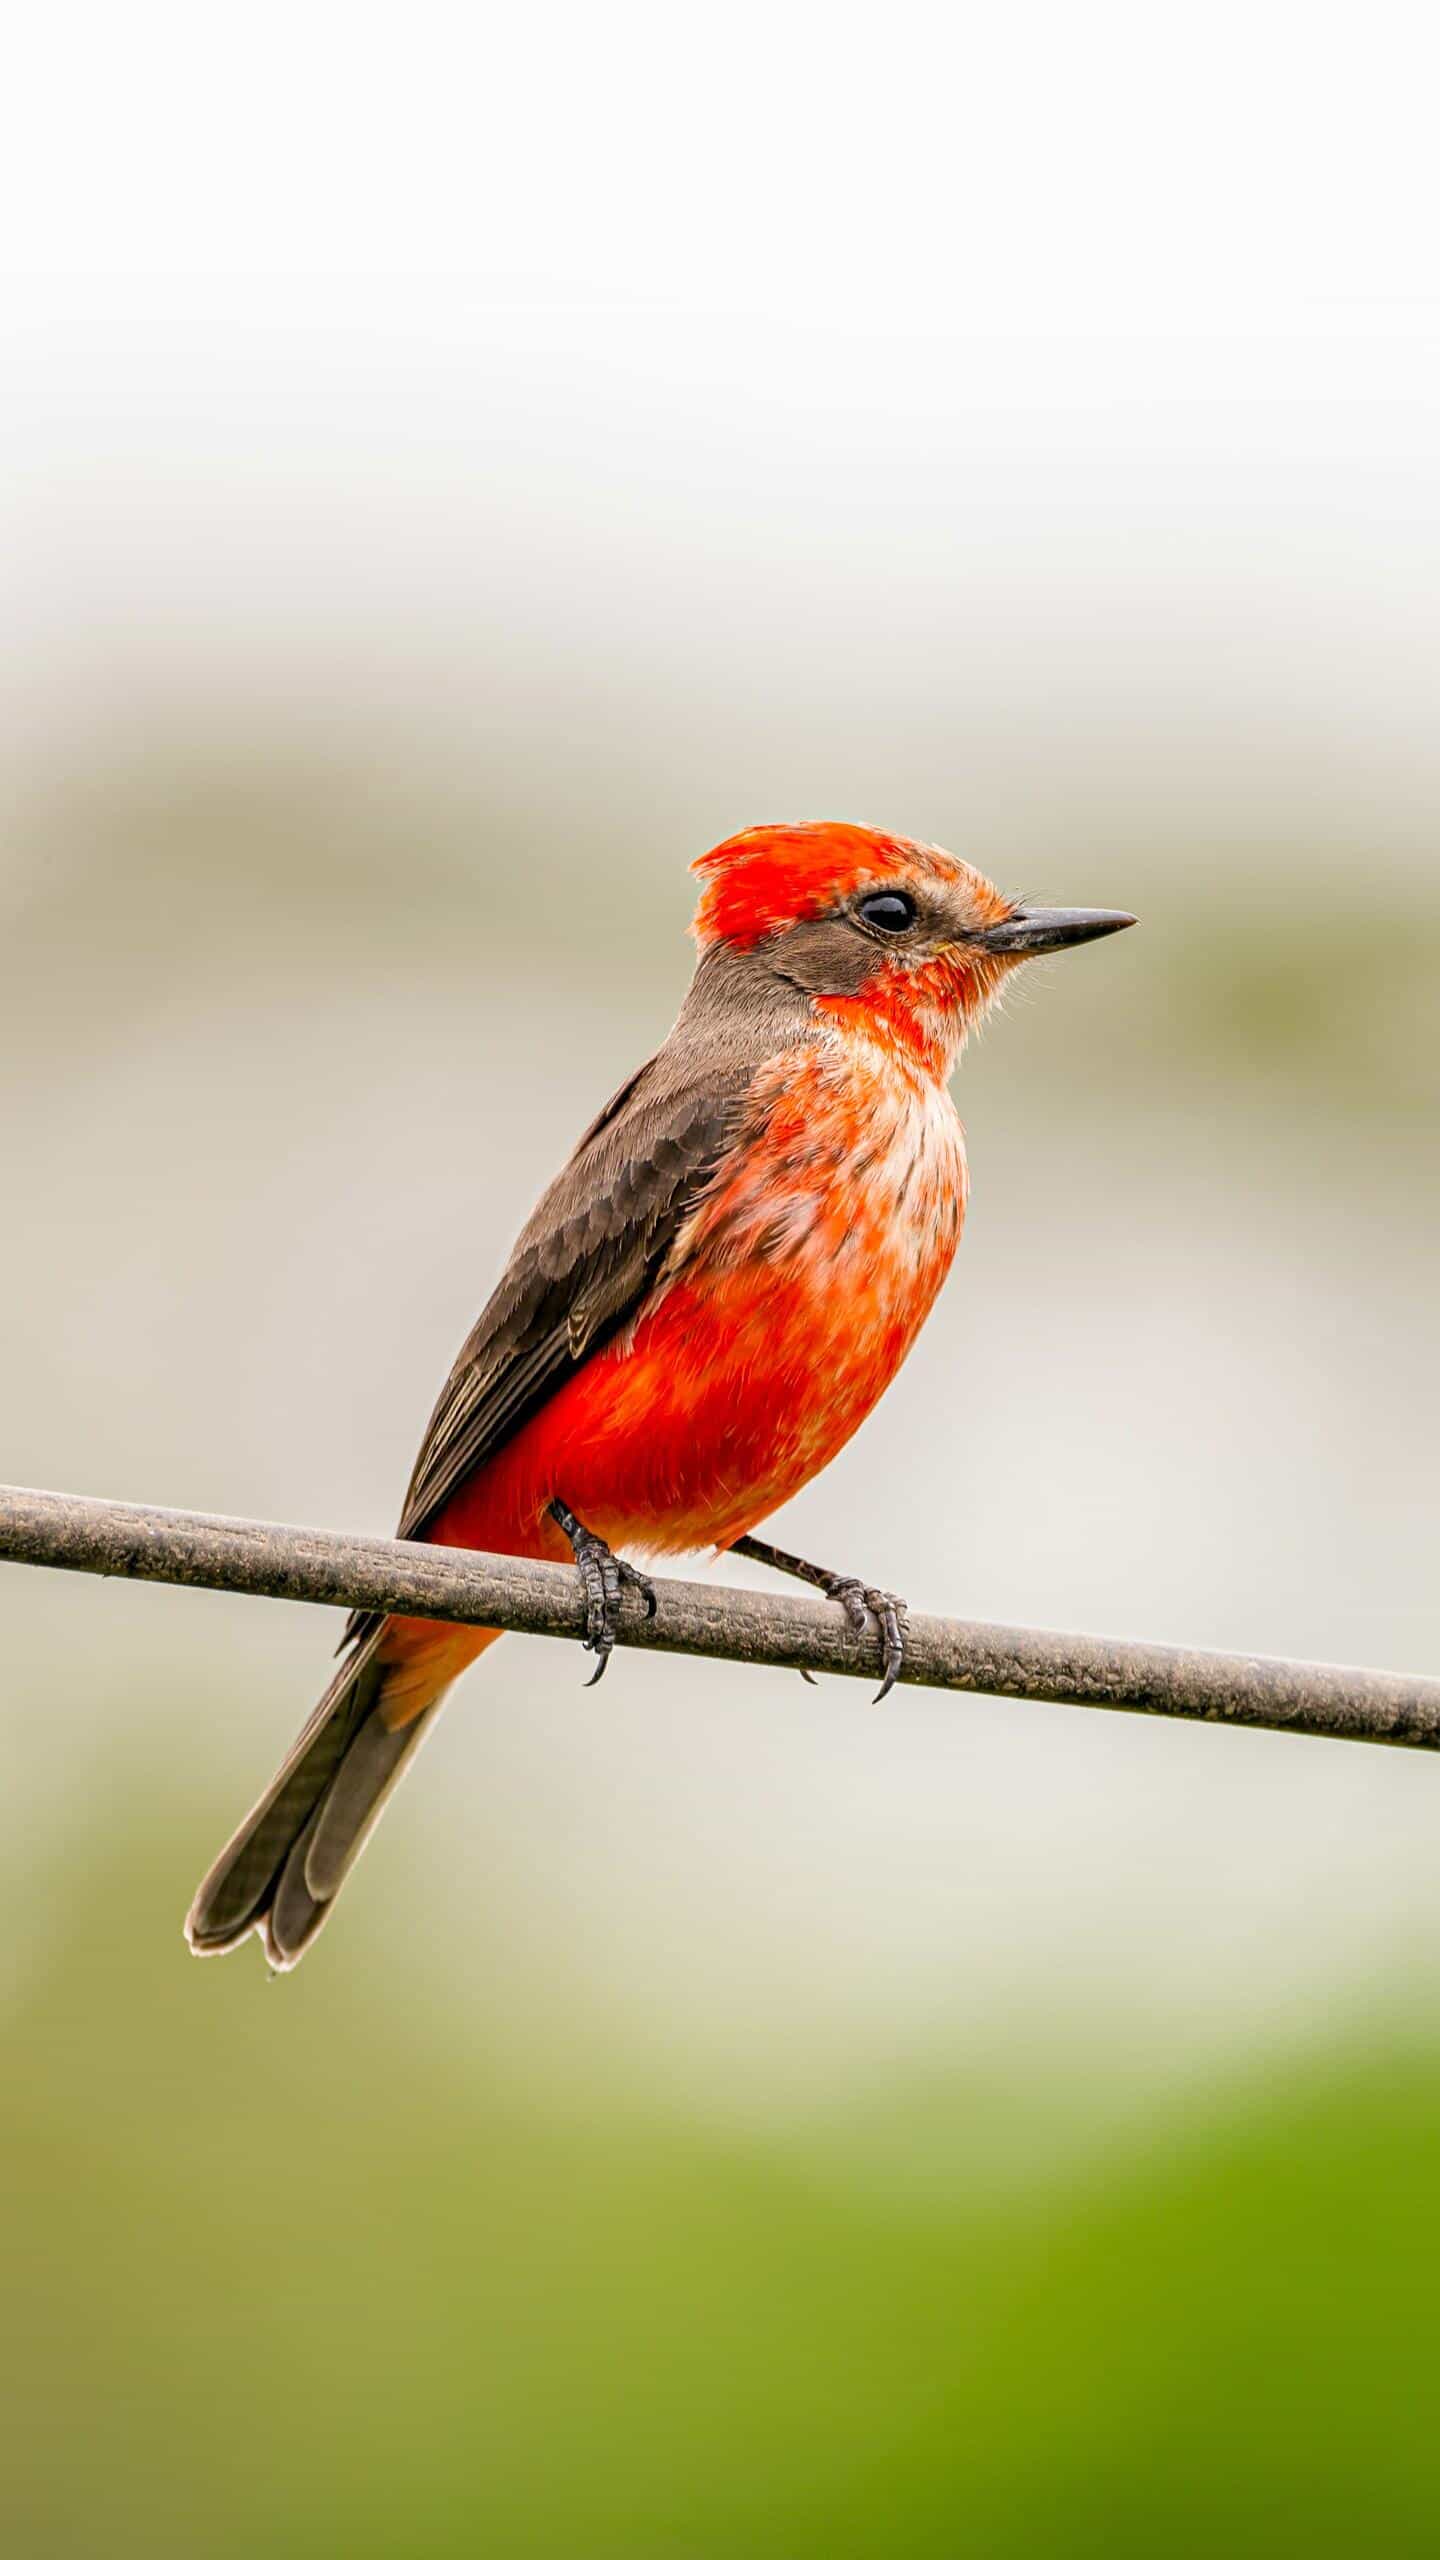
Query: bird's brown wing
point(587, 1256)
point(601, 1233)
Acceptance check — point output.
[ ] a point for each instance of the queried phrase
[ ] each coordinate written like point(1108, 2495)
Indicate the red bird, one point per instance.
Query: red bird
point(703, 1308)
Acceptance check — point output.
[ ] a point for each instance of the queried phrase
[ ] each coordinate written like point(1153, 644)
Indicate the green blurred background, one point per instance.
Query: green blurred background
point(724, 2120)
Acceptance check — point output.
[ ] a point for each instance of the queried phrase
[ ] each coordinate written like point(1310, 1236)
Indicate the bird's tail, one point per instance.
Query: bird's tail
point(281, 1872)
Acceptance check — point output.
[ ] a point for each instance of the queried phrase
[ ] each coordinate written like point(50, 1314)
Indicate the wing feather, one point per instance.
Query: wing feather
point(601, 1235)
point(597, 1241)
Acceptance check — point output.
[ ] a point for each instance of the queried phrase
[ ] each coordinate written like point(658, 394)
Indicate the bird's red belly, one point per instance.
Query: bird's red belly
point(808, 1277)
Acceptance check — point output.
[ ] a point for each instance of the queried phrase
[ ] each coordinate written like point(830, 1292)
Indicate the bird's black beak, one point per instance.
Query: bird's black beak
point(1035, 929)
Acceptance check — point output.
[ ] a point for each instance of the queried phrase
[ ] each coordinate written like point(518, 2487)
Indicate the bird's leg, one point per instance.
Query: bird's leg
point(603, 1578)
point(857, 1599)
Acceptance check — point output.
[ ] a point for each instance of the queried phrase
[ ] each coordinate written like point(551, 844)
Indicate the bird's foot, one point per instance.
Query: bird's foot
point(859, 1600)
point(604, 1579)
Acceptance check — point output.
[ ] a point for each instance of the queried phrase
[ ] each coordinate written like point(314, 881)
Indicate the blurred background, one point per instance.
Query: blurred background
point(451, 477)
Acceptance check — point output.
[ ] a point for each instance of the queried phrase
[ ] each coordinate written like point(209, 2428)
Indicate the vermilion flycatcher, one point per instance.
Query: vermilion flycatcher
point(704, 1307)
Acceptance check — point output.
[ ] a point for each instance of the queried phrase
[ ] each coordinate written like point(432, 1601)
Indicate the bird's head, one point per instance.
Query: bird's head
point(897, 939)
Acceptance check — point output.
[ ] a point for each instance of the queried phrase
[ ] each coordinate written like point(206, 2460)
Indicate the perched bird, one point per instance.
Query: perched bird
point(705, 1305)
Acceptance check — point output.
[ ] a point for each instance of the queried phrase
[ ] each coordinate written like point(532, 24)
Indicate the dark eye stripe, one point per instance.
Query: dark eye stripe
point(889, 910)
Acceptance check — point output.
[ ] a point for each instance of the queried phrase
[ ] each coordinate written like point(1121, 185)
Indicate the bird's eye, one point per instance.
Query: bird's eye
point(889, 910)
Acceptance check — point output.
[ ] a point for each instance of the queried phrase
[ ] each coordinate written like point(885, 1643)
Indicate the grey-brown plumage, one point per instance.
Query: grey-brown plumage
point(581, 1269)
point(602, 1231)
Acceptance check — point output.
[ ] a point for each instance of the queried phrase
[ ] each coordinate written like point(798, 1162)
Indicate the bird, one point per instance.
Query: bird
point(705, 1305)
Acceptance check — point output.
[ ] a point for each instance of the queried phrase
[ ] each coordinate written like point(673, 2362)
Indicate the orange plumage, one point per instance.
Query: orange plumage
point(712, 1296)
point(803, 1279)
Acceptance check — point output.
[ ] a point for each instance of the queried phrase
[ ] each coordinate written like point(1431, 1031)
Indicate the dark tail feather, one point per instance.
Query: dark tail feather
point(281, 1872)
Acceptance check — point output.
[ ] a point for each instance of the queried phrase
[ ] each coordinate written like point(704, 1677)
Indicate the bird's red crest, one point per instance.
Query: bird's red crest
point(769, 877)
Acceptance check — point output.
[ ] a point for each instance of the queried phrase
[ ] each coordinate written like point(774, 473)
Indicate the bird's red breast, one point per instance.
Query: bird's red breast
point(791, 1301)
point(705, 1304)
point(802, 1275)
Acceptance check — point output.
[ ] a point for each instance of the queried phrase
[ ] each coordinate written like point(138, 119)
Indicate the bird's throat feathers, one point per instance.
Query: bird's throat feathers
point(920, 1017)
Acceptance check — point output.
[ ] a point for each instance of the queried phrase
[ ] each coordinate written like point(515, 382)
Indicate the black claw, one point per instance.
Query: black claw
point(642, 1583)
point(860, 1604)
point(604, 1577)
point(853, 1599)
point(856, 1598)
point(892, 1617)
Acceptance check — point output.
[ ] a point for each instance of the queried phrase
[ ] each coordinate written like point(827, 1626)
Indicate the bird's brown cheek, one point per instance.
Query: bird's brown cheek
point(825, 956)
